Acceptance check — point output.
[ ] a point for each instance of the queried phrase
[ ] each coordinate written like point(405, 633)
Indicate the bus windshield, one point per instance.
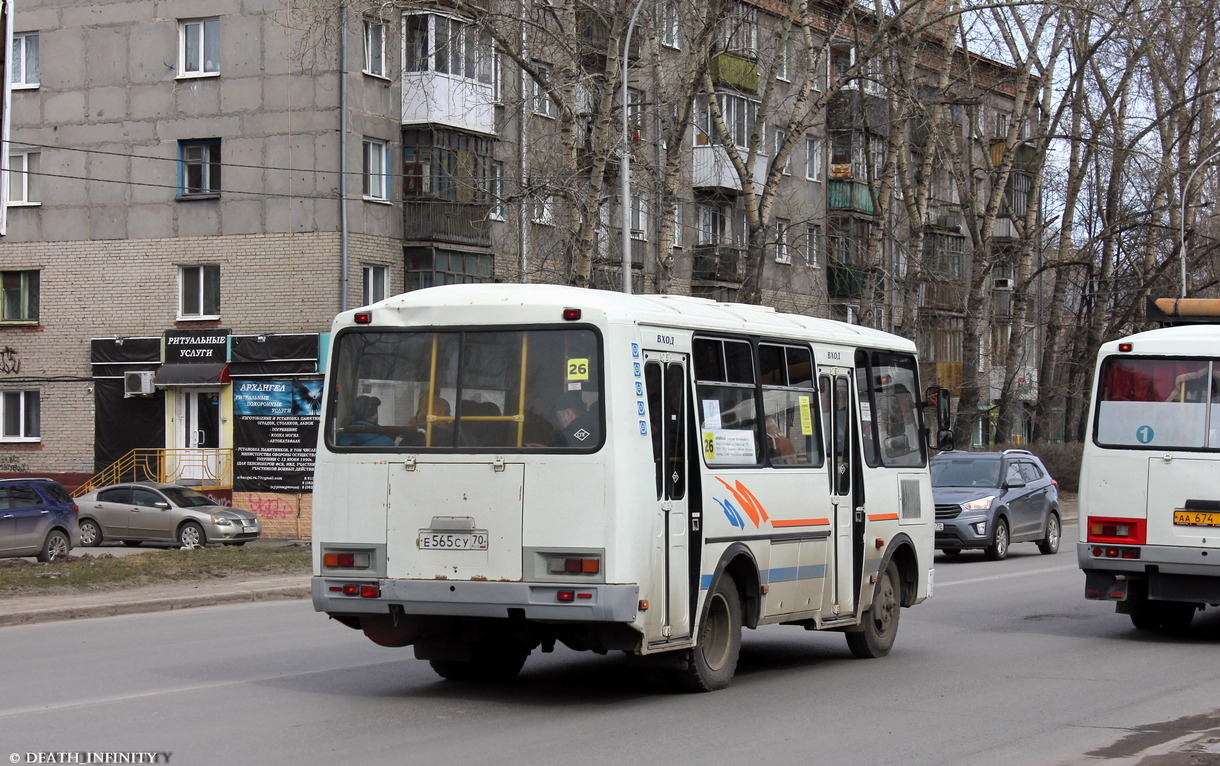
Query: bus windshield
point(1159, 402)
point(466, 390)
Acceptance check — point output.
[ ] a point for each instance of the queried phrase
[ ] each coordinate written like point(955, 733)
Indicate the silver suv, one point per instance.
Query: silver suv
point(990, 500)
point(37, 518)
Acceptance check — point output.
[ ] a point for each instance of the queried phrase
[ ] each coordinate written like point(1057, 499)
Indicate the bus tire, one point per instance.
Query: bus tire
point(490, 663)
point(880, 625)
point(1050, 543)
point(713, 661)
point(998, 550)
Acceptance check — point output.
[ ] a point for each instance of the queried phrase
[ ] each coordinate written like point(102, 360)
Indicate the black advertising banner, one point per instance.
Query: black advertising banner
point(200, 346)
point(275, 434)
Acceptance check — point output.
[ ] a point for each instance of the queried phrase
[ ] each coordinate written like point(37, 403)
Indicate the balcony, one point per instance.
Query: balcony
point(713, 170)
point(845, 281)
point(717, 263)
point(735, 72)
point(850, 195)
point(442, 99)
point(459, 223)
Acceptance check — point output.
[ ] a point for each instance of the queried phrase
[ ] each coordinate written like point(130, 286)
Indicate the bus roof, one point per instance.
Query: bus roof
point(661, 310)
point(1182, 340)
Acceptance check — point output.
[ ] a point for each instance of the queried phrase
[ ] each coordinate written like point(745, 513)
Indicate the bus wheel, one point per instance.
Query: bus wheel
point(714, 659)
point(881, 620)
point(998, 550)
point(1171, 616)
point(490, 663)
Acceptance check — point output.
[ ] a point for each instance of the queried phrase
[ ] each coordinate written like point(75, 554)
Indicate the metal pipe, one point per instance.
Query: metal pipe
point(343, 243)
point(624, 164)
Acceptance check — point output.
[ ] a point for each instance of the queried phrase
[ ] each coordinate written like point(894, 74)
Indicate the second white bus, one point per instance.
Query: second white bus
point(507, 467)
point(1150, 476)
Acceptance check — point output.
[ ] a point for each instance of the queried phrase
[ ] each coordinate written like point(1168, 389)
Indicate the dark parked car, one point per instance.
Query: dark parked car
point(166, 513)
point(37, 518)
point(990, 500)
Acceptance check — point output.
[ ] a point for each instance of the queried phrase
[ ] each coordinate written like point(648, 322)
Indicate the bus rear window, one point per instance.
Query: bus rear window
point(466, 390)
point(1158, 402)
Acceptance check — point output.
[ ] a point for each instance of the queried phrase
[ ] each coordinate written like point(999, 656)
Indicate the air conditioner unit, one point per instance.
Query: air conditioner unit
point(137, 384)
point(1002, 283)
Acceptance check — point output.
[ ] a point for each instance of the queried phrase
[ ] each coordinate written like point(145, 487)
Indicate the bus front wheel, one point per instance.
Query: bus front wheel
point(881, 620)
point(713, 661)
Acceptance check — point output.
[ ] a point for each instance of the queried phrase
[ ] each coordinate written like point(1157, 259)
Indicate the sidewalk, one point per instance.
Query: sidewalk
point(149, 598)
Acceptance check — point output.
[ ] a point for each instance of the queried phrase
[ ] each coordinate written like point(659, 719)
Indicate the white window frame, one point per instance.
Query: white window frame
point(24, 306)
point(670, 28)
point(544, 212)
point(813, 244)
point(209, 163)
point(782, 253)
point(639, 218)
point(496, 191)
point(715, 225)
point(23, 179)
point(375, 283)
point(204, 271)
point(196, 31)
point(779, 136)
point(813, 158)
point(678, 225)
point(740, 116)
point(374, 47)
point(374, 170)
point(26, 64)
point(540, 101)
point(25, 399)
point(783, 67)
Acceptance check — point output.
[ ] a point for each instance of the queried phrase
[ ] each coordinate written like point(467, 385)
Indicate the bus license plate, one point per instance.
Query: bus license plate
point(453, 541)
point(1196, 519)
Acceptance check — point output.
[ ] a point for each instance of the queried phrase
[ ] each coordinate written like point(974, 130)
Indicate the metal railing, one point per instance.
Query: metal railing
point(202, 469)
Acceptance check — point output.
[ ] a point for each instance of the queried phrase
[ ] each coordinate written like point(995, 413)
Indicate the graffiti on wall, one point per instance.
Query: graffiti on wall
point(270, 507)
point(10, 363)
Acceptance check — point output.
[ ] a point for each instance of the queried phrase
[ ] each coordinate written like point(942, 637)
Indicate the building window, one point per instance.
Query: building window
point(813, 244)
point(678, 225)
point(781, 242)
point(639, 218)
point(1017, 192)
point(544, 211)
point(446, 164)
point(783, 67)
point(25, 66)
point(200, 168)
point(19, 297)
point(428, 267)
point(739, 32)
point(199, 47)
point(669, 26)
point(781, 136)
point(24, 181)
point(20, 416)
point(375, 280)
point(813, 159)
point(373, 170)
point(714, 225)
point(740, 114)
point(450, 47)
point(199, 288)
point(374, 47)
point(496, 191)
point(543, 104)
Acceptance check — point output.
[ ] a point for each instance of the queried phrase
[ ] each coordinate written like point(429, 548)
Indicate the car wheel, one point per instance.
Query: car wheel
point(881, 619)
point(55, 548)
point(998, 550)
point(191, 535)
point(713, 661)
point(90, 533)
point(1050, 543)
point(132, 543)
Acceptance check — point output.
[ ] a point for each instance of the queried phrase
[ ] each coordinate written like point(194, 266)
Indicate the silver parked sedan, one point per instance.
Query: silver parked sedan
point(168, 513)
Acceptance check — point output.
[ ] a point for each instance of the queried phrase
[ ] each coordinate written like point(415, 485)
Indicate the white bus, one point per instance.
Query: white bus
point(504, 467)
point(1150, 475)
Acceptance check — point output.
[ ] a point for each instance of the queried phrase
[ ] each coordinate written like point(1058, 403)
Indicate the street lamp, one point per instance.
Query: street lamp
point(624, 158)
point(1182, 217)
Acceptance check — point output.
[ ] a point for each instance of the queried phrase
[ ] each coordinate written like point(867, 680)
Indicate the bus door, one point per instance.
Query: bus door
point(835, 387)
point(665, 381)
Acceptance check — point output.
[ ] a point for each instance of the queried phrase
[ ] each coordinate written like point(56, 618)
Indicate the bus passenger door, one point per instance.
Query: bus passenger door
point(835, 387)
point(665, 379)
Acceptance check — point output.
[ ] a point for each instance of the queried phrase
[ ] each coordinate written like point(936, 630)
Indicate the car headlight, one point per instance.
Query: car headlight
point(982, 504)
point(221, 521)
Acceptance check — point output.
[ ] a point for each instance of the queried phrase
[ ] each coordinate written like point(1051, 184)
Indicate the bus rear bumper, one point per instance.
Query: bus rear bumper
point(1161, 573)
point(455, 598)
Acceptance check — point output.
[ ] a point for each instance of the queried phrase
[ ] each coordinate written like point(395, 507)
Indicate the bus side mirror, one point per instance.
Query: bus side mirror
point(939, 398)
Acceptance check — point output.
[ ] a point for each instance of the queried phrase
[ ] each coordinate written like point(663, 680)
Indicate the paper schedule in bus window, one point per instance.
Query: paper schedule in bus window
point(729, 447)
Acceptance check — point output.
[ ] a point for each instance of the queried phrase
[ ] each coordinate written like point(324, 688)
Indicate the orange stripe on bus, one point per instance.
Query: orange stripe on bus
point(799, 522)
point(883, 517)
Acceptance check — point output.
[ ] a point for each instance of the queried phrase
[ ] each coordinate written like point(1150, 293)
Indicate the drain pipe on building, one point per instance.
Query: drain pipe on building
point(343, 255)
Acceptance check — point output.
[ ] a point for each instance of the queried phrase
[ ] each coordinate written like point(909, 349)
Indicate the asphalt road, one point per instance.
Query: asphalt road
point(1006, 664)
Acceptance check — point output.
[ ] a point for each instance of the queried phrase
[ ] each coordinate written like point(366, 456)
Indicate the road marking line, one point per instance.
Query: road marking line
point(941, 584)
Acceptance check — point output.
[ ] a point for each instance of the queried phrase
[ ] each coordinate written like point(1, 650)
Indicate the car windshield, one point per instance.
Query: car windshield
point(187, 498)
point(965, 472)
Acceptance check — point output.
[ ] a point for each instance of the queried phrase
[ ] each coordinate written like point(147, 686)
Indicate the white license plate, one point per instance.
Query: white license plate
point(453, 541)
point(940, 526)
point(249, 529)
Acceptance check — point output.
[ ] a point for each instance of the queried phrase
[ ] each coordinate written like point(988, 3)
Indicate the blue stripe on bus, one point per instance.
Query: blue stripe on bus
point(779, 574)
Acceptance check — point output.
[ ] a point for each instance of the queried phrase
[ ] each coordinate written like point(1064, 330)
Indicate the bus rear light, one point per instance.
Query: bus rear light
point(1120, 531)
point(1125, 348)
point(351, 589)
point(1115, 553)
point(363, 317)
point(571, 315)
point(370, 591)
point(564, 565)
point(565, 596)
point(345, 560)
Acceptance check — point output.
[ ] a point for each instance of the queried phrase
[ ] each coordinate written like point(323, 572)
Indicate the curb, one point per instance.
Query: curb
point(137, 606)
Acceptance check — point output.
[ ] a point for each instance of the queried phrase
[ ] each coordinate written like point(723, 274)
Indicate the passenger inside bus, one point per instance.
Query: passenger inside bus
point(779, 447)
point(577, 424)
point(432, 409)
point(1192, 387)
point(363, 430)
